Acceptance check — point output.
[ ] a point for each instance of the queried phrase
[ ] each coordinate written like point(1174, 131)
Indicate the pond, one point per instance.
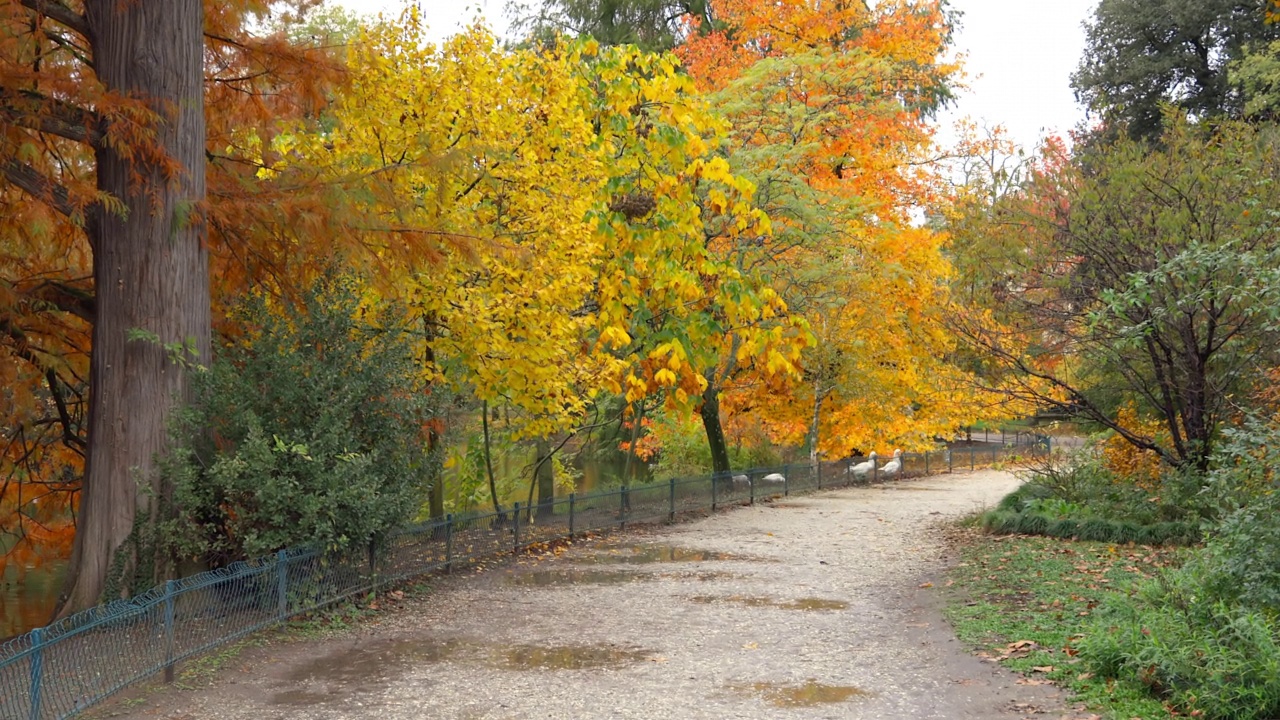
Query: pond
point(28, 596)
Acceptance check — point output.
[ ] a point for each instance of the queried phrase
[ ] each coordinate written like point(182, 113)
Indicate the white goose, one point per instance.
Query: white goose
point(892, 467)
point(862, 468)
point(741, 482)
point(774, 478)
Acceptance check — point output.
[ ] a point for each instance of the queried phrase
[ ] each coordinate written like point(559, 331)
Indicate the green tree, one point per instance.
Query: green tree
point(1141, 54)
point(653, 25)
point(307, 430)
point(1154, 277)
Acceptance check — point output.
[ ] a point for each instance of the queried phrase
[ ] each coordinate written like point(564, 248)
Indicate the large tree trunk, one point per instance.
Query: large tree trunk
point(710, 412)
point(151, 271)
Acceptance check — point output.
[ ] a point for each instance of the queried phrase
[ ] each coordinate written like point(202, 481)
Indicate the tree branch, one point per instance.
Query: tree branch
point(58, 12)
point(34, 111)
point(38, 186)
point(69, 437)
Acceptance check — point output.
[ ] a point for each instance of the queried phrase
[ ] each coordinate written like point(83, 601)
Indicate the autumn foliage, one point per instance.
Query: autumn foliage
point(731, 229)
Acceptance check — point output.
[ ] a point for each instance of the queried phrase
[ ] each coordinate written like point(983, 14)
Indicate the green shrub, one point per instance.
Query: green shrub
point(1098, 530)
point(304, 432)
point(1063, 528)
point(1202, 654)
point(1022, 498)
point(1082, 487)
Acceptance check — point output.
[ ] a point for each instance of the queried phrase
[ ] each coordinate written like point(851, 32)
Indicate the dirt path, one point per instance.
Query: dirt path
point(809, 607)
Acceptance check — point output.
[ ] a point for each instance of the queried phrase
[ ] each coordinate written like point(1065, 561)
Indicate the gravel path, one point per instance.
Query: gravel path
point(819, 606)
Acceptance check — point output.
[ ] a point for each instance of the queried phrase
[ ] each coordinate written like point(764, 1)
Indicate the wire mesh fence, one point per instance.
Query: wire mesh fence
point(59, 670)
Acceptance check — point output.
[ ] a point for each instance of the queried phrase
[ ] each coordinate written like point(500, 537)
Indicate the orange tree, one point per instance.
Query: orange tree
point(116, 180)
point(830, 107)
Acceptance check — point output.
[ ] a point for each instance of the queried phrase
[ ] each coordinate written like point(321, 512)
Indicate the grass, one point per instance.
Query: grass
point(1023, 601)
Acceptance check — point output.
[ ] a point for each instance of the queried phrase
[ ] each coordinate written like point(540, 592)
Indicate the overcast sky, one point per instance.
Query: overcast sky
point(1020, 56)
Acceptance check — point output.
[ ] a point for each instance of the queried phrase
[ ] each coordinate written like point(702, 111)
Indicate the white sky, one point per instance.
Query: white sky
point(1019, 55)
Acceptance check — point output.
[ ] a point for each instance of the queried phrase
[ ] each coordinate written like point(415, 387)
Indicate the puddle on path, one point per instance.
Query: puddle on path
point(568, 657)
point(341, 675)
point(753, 601)
point(571, 576)
point(646, 554)
point(579, 576)
point(807, 695)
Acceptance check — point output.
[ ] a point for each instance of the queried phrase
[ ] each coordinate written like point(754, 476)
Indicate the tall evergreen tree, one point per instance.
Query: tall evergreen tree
point(1141, 54)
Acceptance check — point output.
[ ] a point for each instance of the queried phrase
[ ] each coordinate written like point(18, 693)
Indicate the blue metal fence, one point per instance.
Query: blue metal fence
point(59, 670)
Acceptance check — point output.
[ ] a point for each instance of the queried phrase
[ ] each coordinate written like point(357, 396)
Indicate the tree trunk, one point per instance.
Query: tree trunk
point(710, 412)
point(435, 496)
point(488, 464)
point(546, 479)
point(151, 272)
point(818, 397)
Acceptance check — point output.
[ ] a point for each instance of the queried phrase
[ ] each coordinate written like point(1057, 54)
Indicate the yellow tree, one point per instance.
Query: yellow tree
point(581, 187)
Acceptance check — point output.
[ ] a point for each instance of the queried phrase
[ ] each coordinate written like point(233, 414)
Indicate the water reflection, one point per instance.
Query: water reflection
point(28, 596)
point(647, 554)
point(807, 695)
point(755, 601)
point(341, 676)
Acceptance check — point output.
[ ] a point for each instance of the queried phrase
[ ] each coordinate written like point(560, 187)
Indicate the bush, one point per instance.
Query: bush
point(305, 431)
point(1204, 655)
point(1086, 482)
point(1034, 521)
point(1207, 635)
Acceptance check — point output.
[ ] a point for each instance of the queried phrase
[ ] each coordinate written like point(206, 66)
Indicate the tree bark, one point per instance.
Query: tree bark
point(818, 397)
point(435, 496)
point(488, 464)
point(546, 478)
point(151, 273)
point(710, 412)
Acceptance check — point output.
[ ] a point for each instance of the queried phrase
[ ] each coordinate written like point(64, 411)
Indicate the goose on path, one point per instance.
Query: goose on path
point(892, 467)
point(774, 478)
point(862, 468)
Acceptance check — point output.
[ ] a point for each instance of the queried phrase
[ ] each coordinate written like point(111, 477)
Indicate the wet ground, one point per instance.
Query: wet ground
point(816, 607)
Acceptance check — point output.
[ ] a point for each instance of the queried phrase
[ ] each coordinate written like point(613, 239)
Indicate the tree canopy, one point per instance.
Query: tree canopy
point(1142, 54)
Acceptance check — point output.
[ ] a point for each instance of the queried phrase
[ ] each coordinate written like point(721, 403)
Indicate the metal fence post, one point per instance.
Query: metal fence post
point(875, 472)
point(37, 670)
point(971, 454)
point(573, 499)
point(671, 500)
point(926, 462)
point(786, 480)
point(951, 468)
point(448, 543)
point(516, 527)
point(168, 630)
point(282, 585)
point(993, 456)
point(818, 473)
point(714, 482)
point(751, 488)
